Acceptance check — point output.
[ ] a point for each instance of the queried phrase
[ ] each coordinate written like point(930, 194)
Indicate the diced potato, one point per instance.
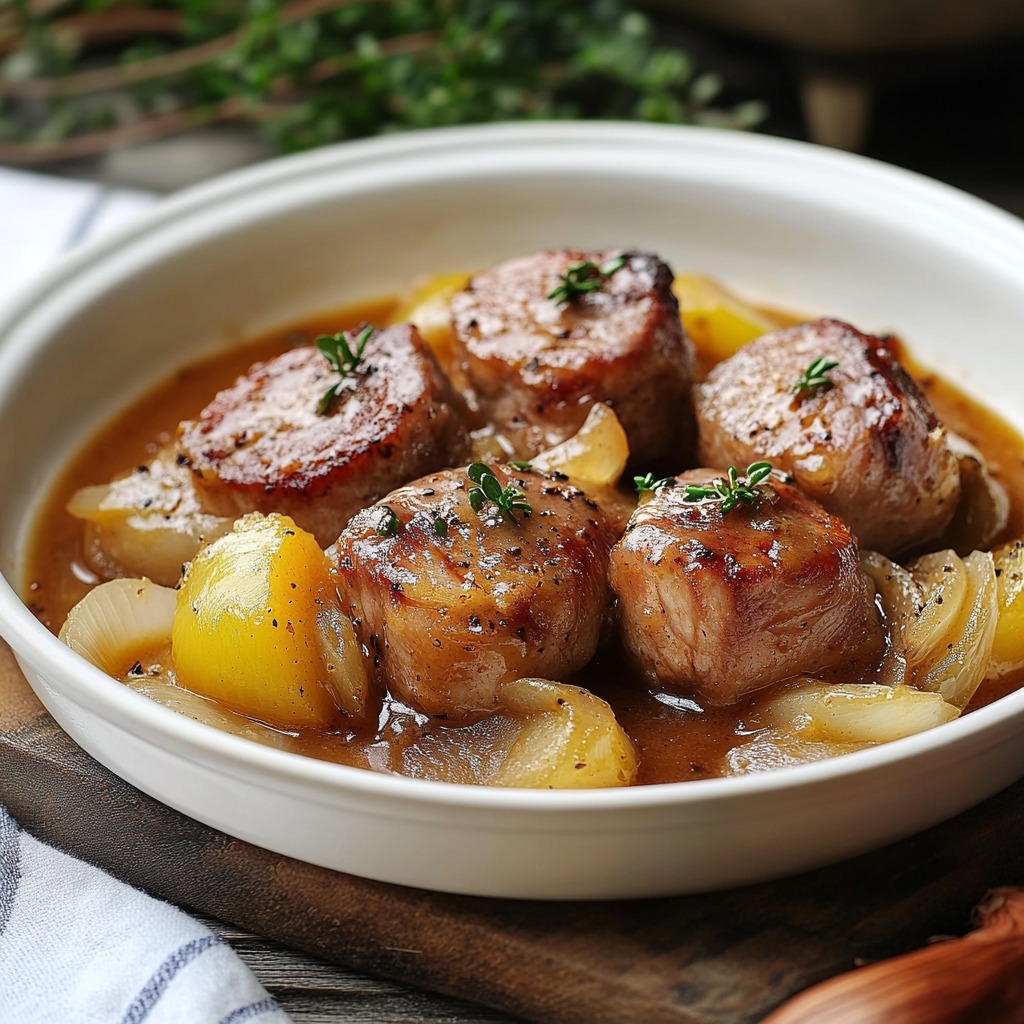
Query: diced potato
point(596, 454)
point(258, 627)
point(569, 739)
point(427, 306)
point(719, 322)
point(1008, 642)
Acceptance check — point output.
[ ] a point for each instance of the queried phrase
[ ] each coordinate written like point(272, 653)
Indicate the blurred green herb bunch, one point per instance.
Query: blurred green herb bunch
point(79, 77)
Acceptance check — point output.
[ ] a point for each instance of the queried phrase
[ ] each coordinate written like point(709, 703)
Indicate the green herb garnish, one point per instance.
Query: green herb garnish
point(648, 484)
point(523, 467)
point(441, 526)
point(581, 278)
point(343, 359)
point(508, 500)
point(815, 376)
point(388, 524)
point(311, 72)
point(734, 490)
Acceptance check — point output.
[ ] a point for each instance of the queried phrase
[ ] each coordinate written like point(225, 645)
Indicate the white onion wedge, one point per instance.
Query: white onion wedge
point(942, 617)
point(148, 523)
point(772, 749)
point(963, 665)
point(184, 702)
point(119, 621)
point(984, 506)
point(596, 454)
point(545, 735)
point(569, 739)
point(858, 712)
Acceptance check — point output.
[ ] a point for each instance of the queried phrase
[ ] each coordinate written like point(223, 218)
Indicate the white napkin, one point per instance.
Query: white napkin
point(76, 945)
point(79, 947)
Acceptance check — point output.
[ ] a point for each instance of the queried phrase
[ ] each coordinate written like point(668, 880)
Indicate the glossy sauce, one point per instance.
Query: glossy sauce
point(676, 739)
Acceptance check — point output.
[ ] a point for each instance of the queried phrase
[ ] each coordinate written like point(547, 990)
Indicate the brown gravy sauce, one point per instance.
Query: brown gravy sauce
point(676, 740)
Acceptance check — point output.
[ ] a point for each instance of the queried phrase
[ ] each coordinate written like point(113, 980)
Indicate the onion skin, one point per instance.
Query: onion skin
point(978, 979)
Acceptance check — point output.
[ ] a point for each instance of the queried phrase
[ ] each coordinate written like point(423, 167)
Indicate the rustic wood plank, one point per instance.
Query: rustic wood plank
point(723, 958)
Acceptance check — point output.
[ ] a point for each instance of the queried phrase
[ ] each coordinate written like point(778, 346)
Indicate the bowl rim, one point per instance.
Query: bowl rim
point(36, 646)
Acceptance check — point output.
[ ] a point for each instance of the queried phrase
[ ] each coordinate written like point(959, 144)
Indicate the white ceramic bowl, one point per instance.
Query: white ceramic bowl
point(808, 228)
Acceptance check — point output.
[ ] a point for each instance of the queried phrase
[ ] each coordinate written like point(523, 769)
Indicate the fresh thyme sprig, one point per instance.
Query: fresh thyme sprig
point(388, 524)
point(649, 484)
point(815, 376)
point(508, 500)
point(584, 277)
point(738, 488)
point(309, 72)
point(343, 359)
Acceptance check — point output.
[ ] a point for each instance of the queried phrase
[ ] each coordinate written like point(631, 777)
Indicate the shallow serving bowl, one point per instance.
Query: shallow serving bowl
point(807, 228)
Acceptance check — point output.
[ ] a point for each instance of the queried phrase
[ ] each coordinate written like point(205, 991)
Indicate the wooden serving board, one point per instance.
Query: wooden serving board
point(724, 958)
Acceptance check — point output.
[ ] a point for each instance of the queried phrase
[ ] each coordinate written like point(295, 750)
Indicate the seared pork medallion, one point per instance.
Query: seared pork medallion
point(544, 337)
point(317, 438)
point(467, 579)
point(835, 408)
point(723, 589)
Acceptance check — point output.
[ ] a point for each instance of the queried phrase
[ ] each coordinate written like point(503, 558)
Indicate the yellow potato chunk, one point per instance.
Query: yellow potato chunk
point(595, 454)
point(1008, 642)
point(258, 627)
point(427, 306)
point(719, 322)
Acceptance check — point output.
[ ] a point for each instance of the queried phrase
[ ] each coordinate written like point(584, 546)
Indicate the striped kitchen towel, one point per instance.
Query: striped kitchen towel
point(79, 947)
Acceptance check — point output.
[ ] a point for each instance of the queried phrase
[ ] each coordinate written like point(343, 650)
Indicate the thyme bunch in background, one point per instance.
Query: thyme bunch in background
point(79, 77)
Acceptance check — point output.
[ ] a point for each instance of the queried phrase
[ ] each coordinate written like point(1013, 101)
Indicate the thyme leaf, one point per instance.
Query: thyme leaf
point(586, 276)
point(648, 484)
point(732, 491)
point(344, 360)
point(388, 524)
point(508, 500)
point(815, 376)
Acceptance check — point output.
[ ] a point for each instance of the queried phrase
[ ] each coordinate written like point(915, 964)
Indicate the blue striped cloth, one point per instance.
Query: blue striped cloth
point(79, 947)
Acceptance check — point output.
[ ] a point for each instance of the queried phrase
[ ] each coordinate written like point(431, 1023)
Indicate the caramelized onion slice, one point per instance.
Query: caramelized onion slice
point(963, 662)
point(858, 712)
point(148, 523)
point(162, 690)
point(545, 735)
point(568, 739)
point(596, 454)
point(942, 619)
point(983, 509)
point(118, 621)
point(771, 749)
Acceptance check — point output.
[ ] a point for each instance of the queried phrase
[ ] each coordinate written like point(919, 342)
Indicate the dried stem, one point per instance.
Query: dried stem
point(176, 121)
point(105, 79)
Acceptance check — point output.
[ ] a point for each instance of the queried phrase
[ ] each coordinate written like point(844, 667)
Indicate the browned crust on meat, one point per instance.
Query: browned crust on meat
point(453, 615)
point(719, 604)
point(261, 444)
point(868, 445)
point(538, 365)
